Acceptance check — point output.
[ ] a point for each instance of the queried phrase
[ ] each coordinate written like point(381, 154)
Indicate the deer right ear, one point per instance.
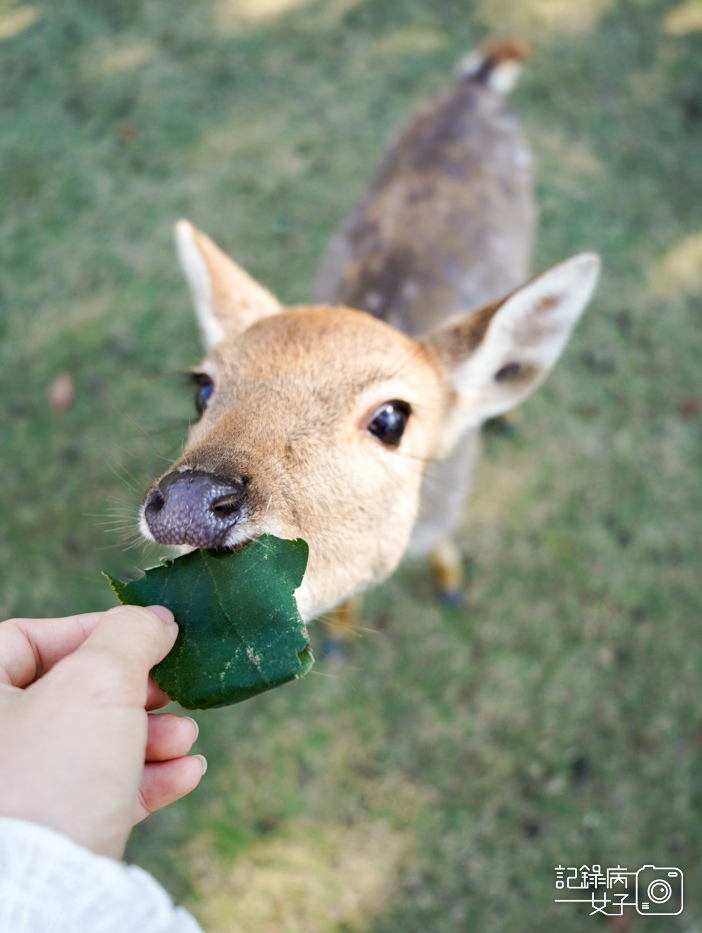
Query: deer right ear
point(497, 356)
point(227, 301)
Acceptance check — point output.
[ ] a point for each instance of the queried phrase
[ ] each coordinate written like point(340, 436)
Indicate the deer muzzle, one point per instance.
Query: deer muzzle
point(194, 507)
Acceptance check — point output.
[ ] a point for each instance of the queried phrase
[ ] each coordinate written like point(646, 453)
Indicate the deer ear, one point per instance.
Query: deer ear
point(227, 301)
point(497, 356)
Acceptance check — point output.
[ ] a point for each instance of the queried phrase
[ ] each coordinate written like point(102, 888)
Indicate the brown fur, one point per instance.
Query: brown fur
point(445, 228)
point(294, 393)
point(447, 224)
point(504, 50)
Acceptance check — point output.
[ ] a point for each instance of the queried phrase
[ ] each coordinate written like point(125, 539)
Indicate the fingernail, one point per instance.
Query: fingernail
point(165, 615)
point(203, 762)
point(197, 732)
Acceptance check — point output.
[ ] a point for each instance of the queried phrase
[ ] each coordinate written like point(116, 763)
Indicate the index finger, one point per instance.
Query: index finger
point(30, 647)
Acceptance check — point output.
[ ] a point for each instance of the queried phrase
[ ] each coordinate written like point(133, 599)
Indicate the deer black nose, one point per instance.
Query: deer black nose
point(194, 507)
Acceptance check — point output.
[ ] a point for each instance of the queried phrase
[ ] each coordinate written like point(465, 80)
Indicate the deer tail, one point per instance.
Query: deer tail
point(496, 64)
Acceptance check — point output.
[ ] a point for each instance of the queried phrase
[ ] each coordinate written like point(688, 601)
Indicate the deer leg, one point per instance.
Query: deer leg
point(507, 424)
point(341, 626)
point(444, 491)
point(447, 570)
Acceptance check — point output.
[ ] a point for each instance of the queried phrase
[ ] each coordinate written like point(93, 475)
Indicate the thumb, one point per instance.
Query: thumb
point(125, 644)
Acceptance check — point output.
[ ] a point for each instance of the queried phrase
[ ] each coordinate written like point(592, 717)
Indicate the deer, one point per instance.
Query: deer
point(354, 423)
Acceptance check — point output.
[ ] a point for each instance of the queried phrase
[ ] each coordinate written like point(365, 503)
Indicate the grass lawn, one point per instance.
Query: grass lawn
point(434, 780)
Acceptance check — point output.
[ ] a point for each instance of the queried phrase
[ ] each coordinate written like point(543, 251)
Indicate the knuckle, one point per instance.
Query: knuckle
point(105, 673)
point(98, 663)
point(131, 614)
point(141, 627)
point(144, 804)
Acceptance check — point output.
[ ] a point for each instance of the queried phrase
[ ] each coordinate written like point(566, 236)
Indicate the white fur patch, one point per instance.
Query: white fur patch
point(504, 77)
point(530, 329)
point(501, 79)
point(198, 278)
point(144, 525)
point(470, 64)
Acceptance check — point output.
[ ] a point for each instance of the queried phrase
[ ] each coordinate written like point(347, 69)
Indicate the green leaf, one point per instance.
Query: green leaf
point(240, 632)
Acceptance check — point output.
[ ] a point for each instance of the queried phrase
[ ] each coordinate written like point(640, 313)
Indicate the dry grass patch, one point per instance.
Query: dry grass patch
point(314, 879)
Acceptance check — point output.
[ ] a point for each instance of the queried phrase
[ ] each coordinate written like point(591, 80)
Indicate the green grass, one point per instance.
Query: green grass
point(435, 780)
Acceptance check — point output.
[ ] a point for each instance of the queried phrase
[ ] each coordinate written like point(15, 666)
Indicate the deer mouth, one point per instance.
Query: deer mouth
point(237, 547)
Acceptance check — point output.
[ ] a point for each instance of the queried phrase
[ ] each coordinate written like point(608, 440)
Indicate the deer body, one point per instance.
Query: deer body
point(344, 425)
point(446, 226)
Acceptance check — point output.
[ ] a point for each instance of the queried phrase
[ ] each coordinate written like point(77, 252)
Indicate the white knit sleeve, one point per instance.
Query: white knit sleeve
point(48, 884)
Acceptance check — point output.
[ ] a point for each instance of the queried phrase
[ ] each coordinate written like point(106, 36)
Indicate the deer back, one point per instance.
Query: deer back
point(447, 224)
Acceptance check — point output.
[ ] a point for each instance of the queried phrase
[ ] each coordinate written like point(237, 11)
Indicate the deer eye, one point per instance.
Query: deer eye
point(205, 388)
point(388, 422)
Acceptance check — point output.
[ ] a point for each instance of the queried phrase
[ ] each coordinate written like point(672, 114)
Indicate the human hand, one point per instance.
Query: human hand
point(79, 752)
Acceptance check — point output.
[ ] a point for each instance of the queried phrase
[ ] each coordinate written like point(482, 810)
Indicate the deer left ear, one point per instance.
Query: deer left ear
point(497, 356)
point(226, 299)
